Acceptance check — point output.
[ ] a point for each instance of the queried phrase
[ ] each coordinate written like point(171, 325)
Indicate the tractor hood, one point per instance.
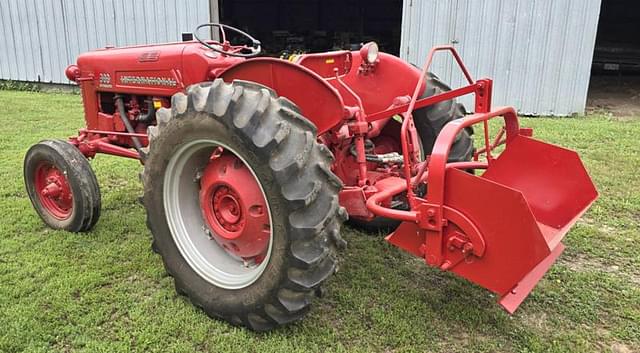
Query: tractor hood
point(150, 69)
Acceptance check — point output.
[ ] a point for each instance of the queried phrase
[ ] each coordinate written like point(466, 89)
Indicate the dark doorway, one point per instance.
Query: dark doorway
point(304, 26)
point(615, 80)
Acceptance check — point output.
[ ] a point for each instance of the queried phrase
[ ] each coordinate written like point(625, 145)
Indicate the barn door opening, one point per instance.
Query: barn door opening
point(288, 27)
point(615, 72)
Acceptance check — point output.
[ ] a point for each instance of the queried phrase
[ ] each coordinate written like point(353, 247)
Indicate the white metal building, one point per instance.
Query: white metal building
point(40, 38)
point(539, 52)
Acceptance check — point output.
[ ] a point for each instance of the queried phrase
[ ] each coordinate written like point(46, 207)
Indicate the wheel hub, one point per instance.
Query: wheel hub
point(226, 209)
point(234, 208)
point(54, 191)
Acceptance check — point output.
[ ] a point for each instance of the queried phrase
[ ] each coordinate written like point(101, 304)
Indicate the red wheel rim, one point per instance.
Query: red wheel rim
point(234, 207)
point(53, 190)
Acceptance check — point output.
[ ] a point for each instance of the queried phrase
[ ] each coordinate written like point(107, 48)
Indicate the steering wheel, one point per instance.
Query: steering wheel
point(225, 47)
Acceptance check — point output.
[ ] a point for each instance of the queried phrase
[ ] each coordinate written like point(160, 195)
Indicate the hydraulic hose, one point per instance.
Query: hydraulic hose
point(386, 158)
point(127, 124)
point(151, 112)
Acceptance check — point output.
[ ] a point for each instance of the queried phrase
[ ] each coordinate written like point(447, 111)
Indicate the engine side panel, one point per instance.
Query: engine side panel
point(150, 70)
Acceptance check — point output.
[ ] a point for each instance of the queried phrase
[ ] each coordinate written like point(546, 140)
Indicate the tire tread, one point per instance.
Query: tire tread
point(274, 127)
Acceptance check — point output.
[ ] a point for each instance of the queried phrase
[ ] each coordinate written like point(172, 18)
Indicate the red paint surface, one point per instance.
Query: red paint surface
point(501, 230)
point(234, 207)
point(53, 190)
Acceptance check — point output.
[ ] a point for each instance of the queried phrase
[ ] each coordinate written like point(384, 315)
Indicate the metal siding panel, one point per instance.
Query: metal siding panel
point(460, 35)
point(470, 43)
point(3, 52)
point(519, 46)
point(139, 26)
point(532, 58)
point(576, 23)
point(47, 45)
point(109, 15)
point(77, 34)
point(563, 106)
point(33, 45)
point(538, 52)
point(439, 14)
point(23, 67)
point(97, 12)
point(74, 20)
point(87, 26)
point(130, 25)
point(42, 46)
point(17, 41)
point(161, 26)
point(188, 13)
point(171, 24)
point(406, 23)
point(42, 37)
point(90, 26)
point(26, 23)
point(181, 18)
point(203, 16)
point(119, 30)
point(584, 56)
point(70, 28)
point(53, 23)
point(429, 24)
point(122, 27)
point(504, 55)
point(43, 43)
point(5, 41)
point(61, 35)
point(148, 20)
point(555, 53)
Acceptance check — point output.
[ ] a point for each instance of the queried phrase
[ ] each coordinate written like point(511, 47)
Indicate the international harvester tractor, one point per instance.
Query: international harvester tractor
point(251, 165)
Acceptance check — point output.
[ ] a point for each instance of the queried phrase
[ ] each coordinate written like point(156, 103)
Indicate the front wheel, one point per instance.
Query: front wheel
point(241, 203)
point(62, 186)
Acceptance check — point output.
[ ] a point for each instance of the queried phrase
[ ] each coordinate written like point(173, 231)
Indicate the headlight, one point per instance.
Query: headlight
point(369, 52)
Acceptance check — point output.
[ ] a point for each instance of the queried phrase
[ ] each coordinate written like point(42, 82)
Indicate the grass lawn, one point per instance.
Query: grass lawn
point(106, 291)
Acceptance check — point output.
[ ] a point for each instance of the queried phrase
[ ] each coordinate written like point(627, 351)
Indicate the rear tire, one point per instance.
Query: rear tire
point(429, 121)
point(76, 206)
point(279, 146)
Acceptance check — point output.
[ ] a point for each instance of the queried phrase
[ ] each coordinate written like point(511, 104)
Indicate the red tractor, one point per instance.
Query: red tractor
point(251, 165)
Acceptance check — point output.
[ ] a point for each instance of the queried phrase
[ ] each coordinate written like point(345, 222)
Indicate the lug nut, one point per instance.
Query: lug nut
point(207, 232)
point(197, 177)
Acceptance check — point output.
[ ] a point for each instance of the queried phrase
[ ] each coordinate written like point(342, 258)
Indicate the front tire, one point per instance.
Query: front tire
point(62, 187)
point(279, 147)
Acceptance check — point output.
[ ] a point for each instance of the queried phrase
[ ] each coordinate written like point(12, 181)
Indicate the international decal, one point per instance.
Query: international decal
point(148, 81)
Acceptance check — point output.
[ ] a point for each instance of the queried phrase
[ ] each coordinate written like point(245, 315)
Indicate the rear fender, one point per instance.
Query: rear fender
point(318, 101)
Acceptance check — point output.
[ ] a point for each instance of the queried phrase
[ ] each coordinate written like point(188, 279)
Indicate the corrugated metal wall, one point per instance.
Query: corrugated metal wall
point(39, 38)
point(538, 52)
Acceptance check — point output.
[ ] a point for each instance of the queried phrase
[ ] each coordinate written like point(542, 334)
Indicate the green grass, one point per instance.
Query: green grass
point(106, 291)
